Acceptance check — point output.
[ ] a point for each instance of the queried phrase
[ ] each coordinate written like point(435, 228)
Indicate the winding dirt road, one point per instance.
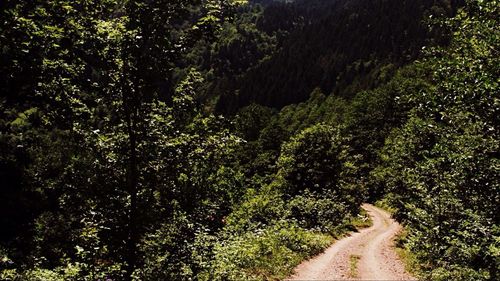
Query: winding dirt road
point(365, 255)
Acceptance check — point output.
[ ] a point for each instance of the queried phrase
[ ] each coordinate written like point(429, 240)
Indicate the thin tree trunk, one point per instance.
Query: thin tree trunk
point(130, 103)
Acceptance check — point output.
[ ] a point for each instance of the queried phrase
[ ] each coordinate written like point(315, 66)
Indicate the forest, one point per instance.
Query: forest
point(234, 139)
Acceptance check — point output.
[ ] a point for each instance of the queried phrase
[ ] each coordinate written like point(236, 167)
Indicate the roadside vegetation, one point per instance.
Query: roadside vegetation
point(204, 140)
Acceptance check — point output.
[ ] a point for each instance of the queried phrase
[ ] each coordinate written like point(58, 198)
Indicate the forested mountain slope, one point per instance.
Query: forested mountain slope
point(341, 50)
point(427, 141)
point(114, 164)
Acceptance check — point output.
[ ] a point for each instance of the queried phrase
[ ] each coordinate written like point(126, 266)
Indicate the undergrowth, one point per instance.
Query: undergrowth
point(266, 254)
point(408, 258)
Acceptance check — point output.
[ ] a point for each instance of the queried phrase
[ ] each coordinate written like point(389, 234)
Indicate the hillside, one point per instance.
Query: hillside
point(227, 140)
point(340, 50)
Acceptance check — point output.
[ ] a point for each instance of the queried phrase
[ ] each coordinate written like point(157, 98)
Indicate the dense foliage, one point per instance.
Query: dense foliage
point(340, 50)
point(98, 150)
point(110, 167)
point(115, 164)
point(441, 166)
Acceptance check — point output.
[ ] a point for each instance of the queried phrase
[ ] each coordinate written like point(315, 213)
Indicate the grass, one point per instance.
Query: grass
point(408, 258)
point(271, 254)
point(384, 204)
point(353, 266)
point(362, 220)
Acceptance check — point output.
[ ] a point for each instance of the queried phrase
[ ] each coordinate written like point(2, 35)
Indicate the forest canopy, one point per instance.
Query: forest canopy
point(231, 140)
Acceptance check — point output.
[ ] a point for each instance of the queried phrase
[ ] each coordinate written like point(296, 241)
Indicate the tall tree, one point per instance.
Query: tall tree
point(443, 162)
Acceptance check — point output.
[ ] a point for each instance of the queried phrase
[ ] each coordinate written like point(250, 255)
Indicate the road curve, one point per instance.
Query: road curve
point(371, 249)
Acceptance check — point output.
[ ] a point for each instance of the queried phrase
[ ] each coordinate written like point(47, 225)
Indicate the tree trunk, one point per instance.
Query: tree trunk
point(132, 186)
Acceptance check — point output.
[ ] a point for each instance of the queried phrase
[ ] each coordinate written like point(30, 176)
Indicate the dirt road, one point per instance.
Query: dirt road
point(365, 255)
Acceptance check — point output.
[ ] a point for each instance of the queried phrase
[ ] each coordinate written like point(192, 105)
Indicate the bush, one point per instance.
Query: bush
point(311, 161)
point(265, 254)
point(319, 211)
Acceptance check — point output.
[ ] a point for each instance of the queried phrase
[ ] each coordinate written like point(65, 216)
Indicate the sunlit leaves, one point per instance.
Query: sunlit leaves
point(443, 163)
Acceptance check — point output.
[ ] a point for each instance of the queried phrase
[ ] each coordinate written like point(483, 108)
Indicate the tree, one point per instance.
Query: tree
point(103, 101)
point(442, 164)
point(317, 175)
